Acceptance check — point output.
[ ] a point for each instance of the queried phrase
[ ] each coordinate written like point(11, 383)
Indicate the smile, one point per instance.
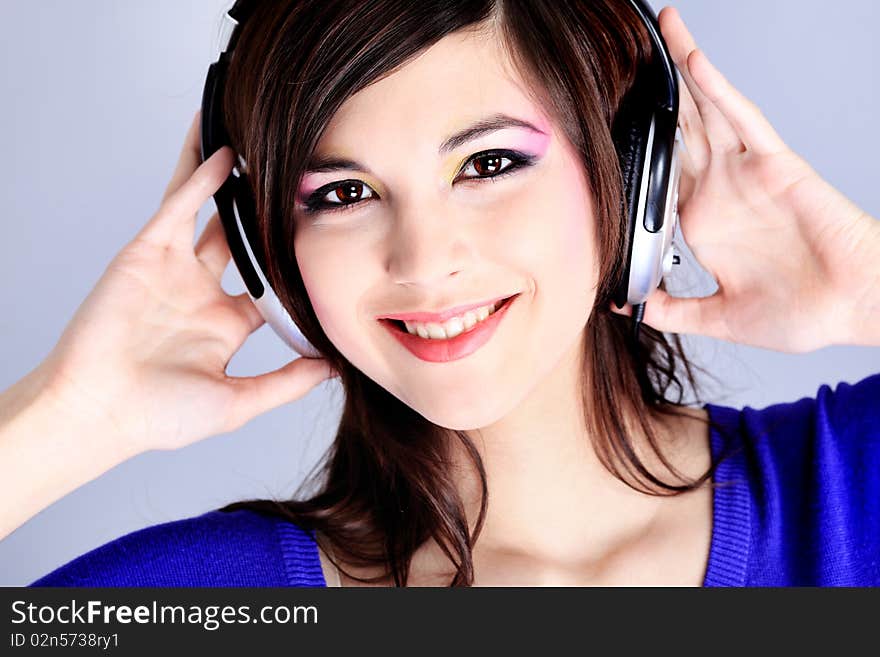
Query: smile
point(452, 326)
point(453, 339)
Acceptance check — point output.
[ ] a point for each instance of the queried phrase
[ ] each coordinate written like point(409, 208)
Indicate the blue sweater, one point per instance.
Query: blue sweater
point(802, 508)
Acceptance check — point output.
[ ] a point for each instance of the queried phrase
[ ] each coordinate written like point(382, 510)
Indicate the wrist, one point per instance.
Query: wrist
point(46, 414)
point(63, 402)
point(46, 451)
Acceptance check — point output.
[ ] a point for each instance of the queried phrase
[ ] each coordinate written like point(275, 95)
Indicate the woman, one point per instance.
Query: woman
point(548, 454)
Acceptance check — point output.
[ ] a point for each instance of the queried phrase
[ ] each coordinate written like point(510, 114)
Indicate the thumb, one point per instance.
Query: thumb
point(257, 394)
point(663, 312)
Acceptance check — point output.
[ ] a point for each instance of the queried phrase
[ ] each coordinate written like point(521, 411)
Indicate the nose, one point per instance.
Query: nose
point(427, 245)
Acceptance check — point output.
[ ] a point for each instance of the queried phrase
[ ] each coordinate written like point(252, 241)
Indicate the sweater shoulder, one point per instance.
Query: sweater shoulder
point(830, 440)
point(812, 471)
point(218, 548)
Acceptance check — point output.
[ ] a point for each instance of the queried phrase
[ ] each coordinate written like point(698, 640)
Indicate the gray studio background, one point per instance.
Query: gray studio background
point(97, 98)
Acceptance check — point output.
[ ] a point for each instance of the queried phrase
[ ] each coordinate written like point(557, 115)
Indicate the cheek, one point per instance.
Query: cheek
point(550, 228)
point(326, 281)
point(575, 231)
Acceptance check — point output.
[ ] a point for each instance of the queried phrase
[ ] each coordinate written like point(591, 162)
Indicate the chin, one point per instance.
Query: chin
point(467, 411)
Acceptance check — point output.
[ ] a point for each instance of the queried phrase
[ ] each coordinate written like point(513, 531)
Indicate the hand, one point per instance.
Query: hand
point(790, 253)
point(144, 357)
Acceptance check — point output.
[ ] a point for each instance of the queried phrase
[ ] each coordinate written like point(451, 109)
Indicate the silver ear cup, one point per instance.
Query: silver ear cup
point(653, 254)
point(236, 191)
point(670, 254)
point(270, 307)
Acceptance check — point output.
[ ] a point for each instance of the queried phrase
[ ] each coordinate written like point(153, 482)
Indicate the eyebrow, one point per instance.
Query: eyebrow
point(321, 164)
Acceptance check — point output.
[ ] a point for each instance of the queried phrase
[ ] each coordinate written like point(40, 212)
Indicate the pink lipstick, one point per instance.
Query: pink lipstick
point(450, 349)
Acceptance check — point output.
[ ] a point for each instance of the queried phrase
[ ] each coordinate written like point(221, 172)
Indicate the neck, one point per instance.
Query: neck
point(550, 498)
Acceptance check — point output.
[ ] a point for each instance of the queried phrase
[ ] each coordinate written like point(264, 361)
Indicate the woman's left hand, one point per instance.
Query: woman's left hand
point(794, 259)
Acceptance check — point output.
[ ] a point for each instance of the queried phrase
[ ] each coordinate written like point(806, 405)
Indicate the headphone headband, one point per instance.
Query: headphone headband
point(667, 87)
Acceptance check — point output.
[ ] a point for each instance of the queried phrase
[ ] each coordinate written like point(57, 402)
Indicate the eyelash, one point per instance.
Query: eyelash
point(316, 202)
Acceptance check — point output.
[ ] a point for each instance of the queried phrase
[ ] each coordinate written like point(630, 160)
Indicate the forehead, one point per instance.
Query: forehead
point(464, 77)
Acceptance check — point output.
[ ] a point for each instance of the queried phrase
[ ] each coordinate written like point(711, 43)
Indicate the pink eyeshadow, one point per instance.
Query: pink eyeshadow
point(534, 143)
point(307, 187)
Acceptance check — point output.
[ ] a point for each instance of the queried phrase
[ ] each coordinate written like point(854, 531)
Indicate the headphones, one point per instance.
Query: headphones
point(644, 134)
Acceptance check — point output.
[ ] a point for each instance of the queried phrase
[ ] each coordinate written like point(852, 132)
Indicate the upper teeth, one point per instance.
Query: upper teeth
point(453, 326)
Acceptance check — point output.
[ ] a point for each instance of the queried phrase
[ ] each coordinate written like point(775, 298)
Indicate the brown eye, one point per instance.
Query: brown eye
point(488, 164)
point(349, 191)
point(340, 195)
point(491, 165)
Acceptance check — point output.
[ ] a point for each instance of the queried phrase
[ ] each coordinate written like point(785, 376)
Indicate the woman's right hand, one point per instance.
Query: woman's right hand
point(145, 355)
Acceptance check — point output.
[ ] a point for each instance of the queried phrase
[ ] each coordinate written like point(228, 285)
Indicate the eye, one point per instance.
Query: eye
point(495, 164)
point(346, 194)
point(338, 195)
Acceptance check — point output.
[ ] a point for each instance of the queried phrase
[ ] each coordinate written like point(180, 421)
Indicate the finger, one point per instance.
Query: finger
point(252, 316)
point(258, 394)
point(190, 157)
point(694, 132)
point(693, 315)
point(174, 223)
point(751, 125)
point(212, 249)
point(689, 120)
point(688, 179)
point(720, 134)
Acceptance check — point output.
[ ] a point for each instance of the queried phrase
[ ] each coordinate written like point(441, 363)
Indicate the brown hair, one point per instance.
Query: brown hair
point(386, 485)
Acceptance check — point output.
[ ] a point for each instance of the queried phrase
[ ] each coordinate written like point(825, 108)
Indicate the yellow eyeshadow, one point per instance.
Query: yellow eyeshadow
point(451, 165)
point(373, 184)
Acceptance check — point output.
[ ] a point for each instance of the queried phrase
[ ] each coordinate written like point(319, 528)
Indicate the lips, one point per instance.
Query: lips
point(449, 349)
point(397, 321)
point(439, 318)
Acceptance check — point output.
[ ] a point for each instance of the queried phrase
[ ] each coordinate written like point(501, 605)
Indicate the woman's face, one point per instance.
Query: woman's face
point(414, 223)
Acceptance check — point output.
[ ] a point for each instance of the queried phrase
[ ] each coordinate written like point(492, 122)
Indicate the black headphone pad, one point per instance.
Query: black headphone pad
point(630, 130)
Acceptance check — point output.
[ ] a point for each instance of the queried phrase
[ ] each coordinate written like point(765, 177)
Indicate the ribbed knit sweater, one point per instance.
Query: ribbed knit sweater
point(801, 507)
